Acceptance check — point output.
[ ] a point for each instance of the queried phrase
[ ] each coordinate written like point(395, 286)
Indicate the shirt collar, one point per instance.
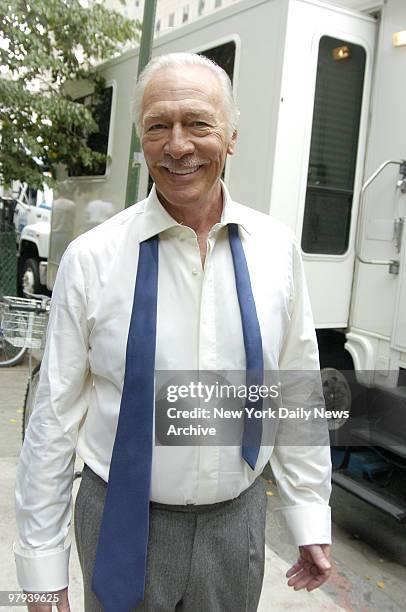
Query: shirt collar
point(233, 212)
point(156, 219)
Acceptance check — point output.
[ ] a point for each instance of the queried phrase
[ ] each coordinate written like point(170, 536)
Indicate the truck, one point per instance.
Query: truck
point(31, 218)
point(321, 146)
point(32, 222)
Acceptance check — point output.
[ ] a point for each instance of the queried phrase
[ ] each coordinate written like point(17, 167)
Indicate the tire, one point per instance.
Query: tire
point(29, 277)
point(9, 355)
point(29, 399)
point(337, 396)
point(340, 387)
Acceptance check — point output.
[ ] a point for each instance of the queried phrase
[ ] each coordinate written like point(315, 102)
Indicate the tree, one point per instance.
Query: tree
point(45, 45)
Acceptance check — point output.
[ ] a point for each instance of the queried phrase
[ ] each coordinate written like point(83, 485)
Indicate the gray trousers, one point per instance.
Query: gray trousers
point(200, 558)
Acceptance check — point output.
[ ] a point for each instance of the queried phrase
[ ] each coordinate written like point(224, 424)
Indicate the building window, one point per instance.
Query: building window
point(98, 141)
point(201, 6)
point(217, 3)
point(333, 149)
point(158, 26)
point(171, 20)
point(185, 15)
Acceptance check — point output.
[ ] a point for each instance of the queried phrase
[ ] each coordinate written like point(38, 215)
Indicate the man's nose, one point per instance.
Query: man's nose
point(179, 142)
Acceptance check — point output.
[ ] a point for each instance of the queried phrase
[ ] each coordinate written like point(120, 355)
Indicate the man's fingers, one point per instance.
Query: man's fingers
point(295, 579)
point(63, 607)
point(307, 580)
point(60, 598)
point(63, 603)
point(300, 581)
point(317, 581)
point(295, 568)
point(312, 568)
point(319, 557)
point(306, 575)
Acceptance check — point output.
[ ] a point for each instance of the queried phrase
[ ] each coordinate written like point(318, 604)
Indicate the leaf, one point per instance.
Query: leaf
point(40, 125)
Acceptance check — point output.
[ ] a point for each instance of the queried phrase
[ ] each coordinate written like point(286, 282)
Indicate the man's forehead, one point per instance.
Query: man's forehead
point(184, 99)
point(191, 83)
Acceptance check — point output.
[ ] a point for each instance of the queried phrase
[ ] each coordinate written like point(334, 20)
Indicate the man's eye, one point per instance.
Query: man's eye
point(200, 124)
point(156, 126)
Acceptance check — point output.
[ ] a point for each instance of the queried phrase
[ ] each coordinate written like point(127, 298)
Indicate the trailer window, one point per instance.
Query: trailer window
point(333, 150)
point(224, 56)
point(98, 141)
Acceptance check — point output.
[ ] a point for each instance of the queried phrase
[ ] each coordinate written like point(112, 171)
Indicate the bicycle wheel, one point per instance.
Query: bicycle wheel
point(10, 355)
point(29, 399)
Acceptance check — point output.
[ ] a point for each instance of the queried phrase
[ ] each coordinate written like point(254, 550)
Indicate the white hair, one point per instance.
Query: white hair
point(181, 60)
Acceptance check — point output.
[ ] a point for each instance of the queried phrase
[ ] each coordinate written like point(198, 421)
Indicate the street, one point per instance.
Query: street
point(369, 549)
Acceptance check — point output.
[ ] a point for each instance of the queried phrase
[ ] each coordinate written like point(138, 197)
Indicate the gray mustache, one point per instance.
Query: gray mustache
point(183, 164)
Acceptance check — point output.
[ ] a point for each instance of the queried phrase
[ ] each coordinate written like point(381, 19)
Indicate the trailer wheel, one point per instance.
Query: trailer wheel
point(341, 389)
point(29, 278)
point(337, 396)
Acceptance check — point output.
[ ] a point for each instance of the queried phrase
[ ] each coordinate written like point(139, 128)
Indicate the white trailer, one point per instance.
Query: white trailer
point(320, 90)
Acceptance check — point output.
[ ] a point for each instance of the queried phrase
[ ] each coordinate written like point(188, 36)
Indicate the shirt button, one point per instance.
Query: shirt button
point(195, 272)
point(181, 237)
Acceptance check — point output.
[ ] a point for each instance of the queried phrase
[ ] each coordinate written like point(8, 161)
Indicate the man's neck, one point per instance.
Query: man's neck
point(199, 216)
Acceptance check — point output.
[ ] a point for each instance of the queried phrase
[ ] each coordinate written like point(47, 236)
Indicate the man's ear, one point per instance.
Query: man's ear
point(231, 144)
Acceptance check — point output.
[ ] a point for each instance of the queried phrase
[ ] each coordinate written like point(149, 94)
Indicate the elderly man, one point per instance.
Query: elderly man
point(185, 280)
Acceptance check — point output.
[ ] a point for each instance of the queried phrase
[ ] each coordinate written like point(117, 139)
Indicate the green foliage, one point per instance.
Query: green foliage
point(45, 44)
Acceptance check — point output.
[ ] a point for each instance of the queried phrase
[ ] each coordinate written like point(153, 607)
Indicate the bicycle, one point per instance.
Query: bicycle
point(24, 324)
point(10, 355)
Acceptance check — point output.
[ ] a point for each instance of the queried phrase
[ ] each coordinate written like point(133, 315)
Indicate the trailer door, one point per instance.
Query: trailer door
point(321, 146)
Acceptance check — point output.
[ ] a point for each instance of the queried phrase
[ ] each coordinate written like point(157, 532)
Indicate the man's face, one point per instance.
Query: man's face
point(184, 135)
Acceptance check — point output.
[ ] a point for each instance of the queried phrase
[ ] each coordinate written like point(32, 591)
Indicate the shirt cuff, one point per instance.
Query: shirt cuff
point(42, 570)
point(307, 524)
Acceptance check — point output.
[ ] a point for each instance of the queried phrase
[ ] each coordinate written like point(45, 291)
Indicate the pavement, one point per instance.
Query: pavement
point(276, 595)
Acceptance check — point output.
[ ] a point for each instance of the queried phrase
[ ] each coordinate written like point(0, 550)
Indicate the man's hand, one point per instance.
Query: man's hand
point(312, 568)
point(61, 606)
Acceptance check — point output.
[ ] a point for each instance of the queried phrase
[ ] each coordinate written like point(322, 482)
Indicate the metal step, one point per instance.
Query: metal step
point(378, 438)
point(362, 491)
point(396, 392)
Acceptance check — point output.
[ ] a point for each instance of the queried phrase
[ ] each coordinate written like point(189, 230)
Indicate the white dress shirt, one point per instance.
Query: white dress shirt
point(198, 328)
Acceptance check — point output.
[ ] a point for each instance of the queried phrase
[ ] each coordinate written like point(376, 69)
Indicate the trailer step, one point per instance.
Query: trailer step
point(378, 438)
point(371, 497)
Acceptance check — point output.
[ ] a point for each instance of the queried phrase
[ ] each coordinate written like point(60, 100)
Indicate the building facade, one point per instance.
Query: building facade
point(170, 13)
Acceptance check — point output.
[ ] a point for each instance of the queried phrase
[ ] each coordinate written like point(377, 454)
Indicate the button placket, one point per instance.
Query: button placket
point(208, 455)
point(207, 343)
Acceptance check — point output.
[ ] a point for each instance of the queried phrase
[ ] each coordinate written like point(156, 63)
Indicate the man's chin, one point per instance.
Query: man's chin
point(178, 195)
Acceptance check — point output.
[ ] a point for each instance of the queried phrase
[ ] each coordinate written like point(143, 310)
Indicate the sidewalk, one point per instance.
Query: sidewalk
point(276, 595)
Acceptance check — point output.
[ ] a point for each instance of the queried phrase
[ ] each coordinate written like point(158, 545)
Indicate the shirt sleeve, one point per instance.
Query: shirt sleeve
point(302, 472)
point(43, 492)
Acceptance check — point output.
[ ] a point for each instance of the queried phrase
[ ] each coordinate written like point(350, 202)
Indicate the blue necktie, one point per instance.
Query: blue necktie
point(120, 565)
point(254, 360)
point(119, 569)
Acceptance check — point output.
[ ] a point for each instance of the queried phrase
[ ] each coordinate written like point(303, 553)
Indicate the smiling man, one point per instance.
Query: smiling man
point(186, 134)
point(186, 280)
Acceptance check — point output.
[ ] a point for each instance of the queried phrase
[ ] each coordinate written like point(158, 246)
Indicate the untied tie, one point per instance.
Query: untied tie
point(120, 565)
